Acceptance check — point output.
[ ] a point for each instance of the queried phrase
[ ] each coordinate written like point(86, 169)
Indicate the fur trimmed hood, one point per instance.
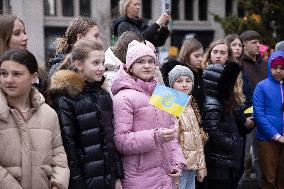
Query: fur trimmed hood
point(125, 81)
point(69, 83)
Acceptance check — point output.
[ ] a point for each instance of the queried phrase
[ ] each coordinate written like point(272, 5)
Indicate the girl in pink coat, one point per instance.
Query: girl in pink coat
point(144, 135)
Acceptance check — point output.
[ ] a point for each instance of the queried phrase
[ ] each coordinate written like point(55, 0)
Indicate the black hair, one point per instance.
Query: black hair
point(21, 56)
point(168, 64)
point(249, 35)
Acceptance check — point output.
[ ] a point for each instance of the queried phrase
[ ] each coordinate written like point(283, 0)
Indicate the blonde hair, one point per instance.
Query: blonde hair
point(206, 58)
point(188, 47)
point(239, 96)
point(80, 25)
point(80, 52)
point(123, 4)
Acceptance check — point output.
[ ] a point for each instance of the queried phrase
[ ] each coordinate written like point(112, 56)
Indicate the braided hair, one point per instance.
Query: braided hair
point(80, 25)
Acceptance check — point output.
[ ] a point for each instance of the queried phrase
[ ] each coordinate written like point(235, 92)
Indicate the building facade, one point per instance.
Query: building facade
point(45, 20)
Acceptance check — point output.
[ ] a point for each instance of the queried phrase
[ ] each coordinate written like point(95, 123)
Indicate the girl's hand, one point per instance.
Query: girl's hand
point(200, 178)
point(168, 135)
point(281, 140)
point(249, 124)
point(118, 184)
point(175, 174)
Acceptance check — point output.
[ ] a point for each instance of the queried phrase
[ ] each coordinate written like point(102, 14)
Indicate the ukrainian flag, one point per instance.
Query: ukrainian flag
point(169, 100)
point(249, 110)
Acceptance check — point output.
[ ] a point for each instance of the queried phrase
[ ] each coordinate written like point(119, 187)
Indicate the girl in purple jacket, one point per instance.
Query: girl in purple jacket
point(144, 135)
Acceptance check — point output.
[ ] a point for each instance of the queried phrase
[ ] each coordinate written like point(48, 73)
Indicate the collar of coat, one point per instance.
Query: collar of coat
point(68, 82)
point(36, 99)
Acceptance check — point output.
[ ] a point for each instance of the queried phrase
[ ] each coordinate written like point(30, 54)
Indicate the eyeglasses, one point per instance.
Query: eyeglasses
point(151, 62)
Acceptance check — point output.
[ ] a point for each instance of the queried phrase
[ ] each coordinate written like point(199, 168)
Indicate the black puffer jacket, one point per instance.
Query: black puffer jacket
point(57, 59)
point(152, 33)
point(86, 121)
point(224, 147)
point(198, 88)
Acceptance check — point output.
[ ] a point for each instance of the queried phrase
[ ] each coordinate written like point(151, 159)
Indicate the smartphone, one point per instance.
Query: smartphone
point(166, 6)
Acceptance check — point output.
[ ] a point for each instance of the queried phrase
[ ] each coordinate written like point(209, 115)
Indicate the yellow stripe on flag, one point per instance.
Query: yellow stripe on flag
point(175, 109)
point(249, 110)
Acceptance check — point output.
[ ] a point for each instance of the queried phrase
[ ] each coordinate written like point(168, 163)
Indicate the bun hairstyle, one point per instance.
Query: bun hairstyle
point(80, 25)
point(80, 52)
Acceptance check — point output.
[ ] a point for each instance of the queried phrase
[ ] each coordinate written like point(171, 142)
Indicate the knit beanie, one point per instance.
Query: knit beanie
point(137, 50)
point(279, 60)
point(179, 71)
point(279, 46)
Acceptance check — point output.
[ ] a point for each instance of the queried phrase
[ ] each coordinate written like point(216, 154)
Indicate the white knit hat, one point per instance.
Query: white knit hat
point(177, 72)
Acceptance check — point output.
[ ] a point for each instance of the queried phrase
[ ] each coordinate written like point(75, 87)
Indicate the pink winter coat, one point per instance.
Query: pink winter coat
point(146, 159)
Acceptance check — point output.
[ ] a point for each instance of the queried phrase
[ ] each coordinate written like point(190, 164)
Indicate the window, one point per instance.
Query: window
point(241, 12)
point(1, 6)
point(50, 35)
point(114, 8)
point(188, 9)
point(147, 9)
point(85, 8)
point(68, 7)
point(175, 9)
point(49, 7)
point(229, 7)
point(5, 7)
point(203, 9)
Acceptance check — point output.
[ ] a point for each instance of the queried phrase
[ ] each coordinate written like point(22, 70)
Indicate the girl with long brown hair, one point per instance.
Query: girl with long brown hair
point(223, 118)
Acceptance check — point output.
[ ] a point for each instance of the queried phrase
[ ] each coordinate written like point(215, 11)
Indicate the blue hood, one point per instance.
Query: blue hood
point(273, 55)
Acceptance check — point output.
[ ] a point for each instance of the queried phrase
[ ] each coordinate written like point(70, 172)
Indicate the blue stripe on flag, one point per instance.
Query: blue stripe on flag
point(181, 98)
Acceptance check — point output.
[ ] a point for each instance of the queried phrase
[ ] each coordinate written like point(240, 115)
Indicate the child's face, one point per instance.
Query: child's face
point(219, 54)
point(19, 38)
point(15, 78)
point(237, 48)
point(183, 84)
point(93, 67)
point(196, 58)
point(278, 72)
point(144, 68)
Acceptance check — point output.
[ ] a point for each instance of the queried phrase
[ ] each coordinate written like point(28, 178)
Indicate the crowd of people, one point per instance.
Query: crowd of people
point(85, 120)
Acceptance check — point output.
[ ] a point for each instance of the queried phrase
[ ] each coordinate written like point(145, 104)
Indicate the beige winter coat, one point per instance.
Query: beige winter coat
point(31, 152)
point(192, 138)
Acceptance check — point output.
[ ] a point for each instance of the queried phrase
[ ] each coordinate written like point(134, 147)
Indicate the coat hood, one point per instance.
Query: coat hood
point(37, 99)
point(273, 55)
point(125, 81)
point(67, 82)
point(117, 21)
point(138, 22)
point(111, 61)
point(219, 79)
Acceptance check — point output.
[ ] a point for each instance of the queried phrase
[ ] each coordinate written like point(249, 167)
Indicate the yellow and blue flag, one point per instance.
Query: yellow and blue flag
point(249, 110)
point(169, 100)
